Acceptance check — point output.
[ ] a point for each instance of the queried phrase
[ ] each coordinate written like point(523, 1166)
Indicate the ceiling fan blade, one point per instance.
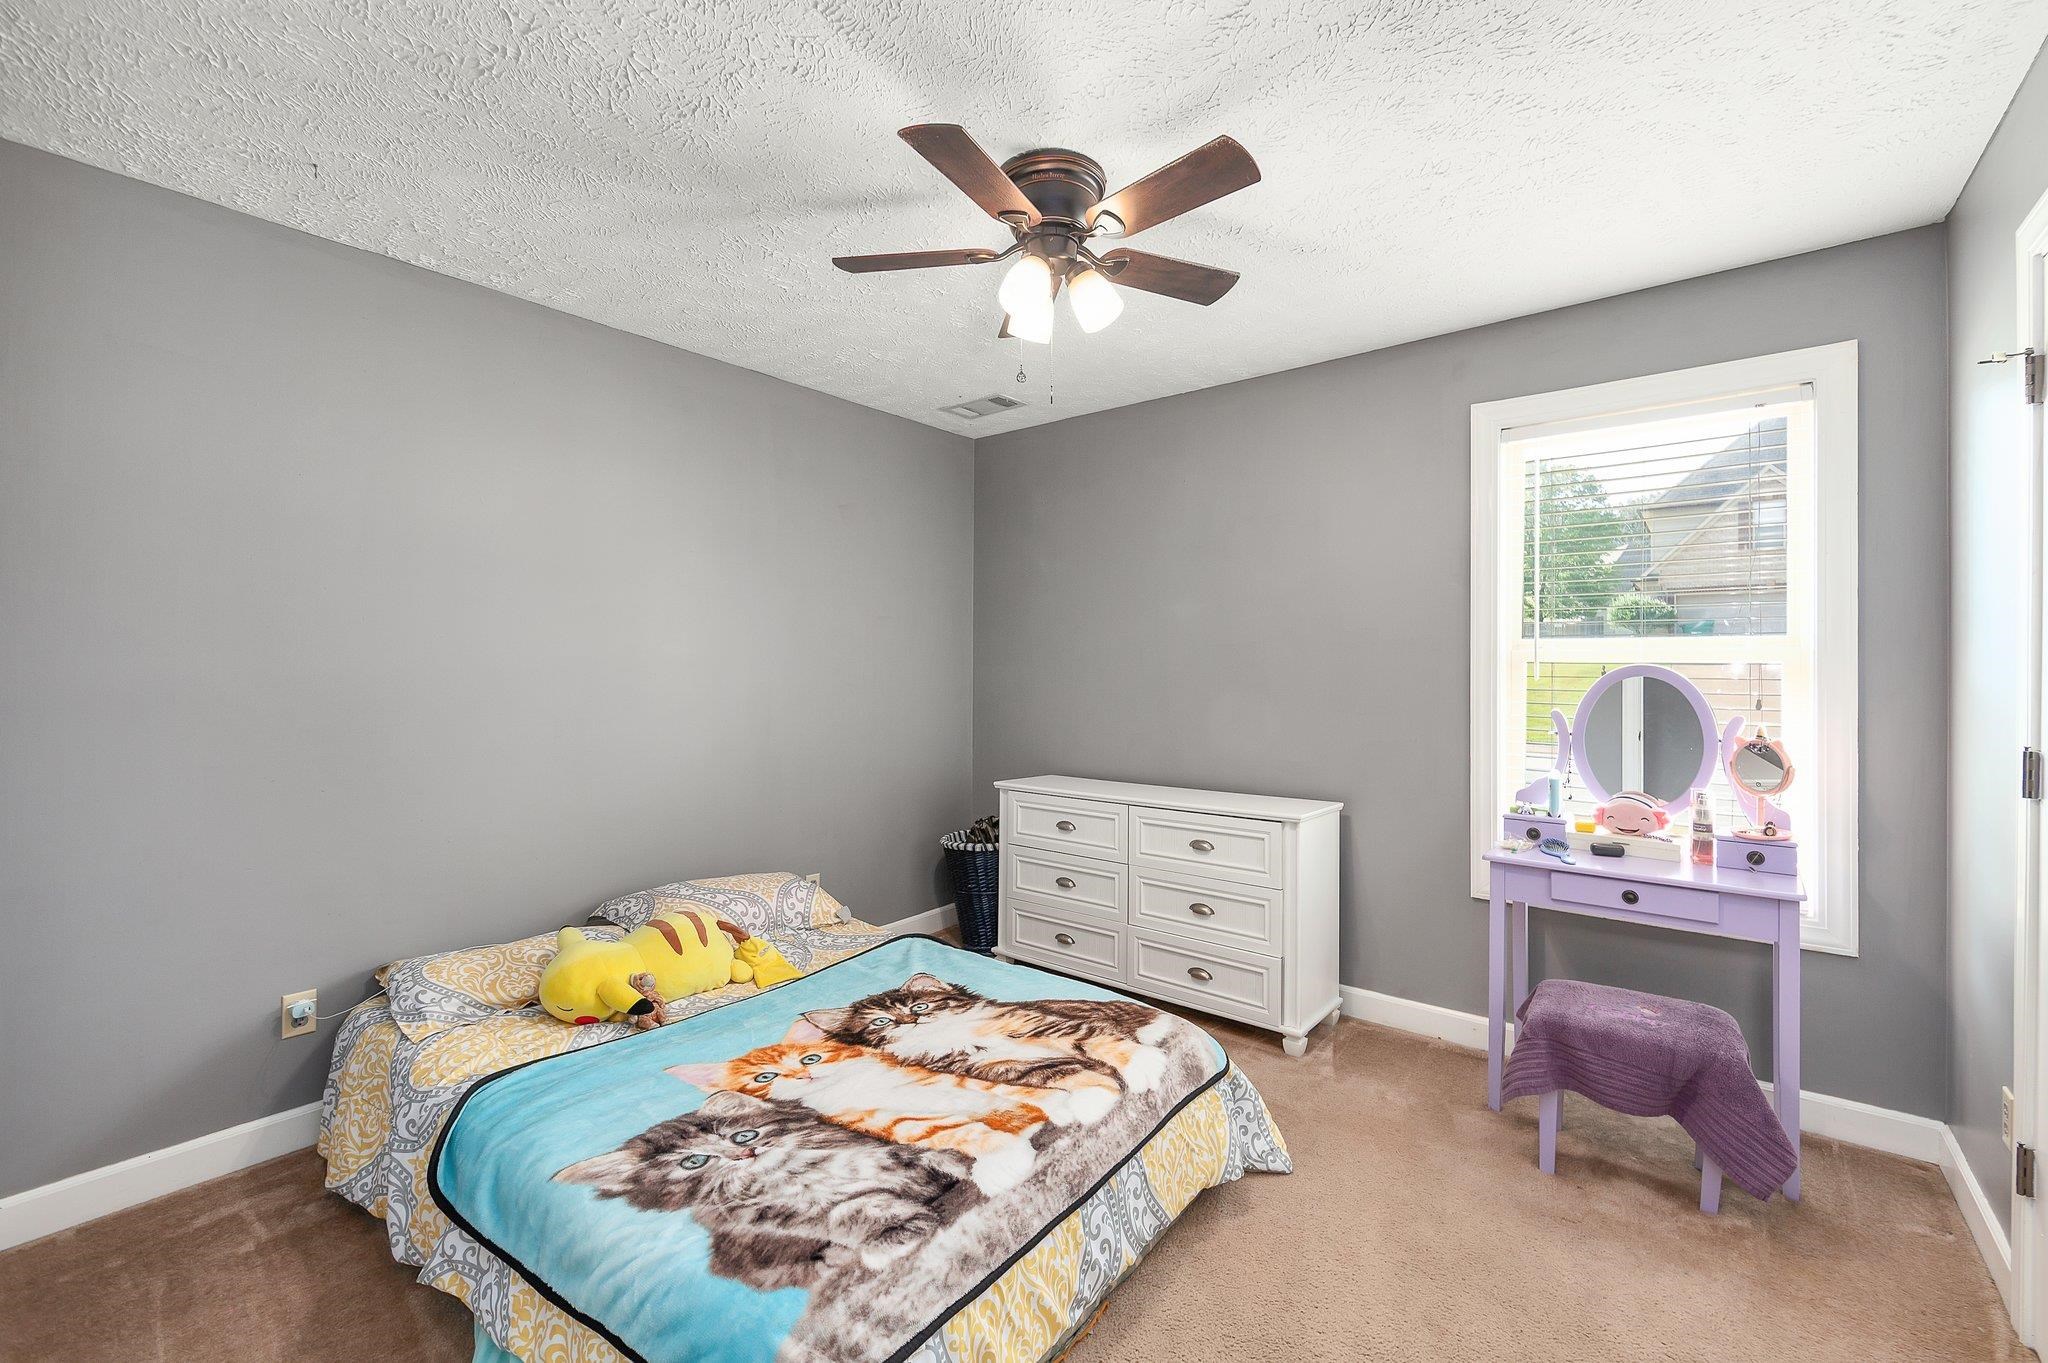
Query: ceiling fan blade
point(1182, 279)
point(960, 159)
point(1202, 176)
point(913, 260)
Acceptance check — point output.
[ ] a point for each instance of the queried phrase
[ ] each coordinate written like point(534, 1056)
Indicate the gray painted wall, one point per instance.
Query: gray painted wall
point(1988, 452)
point(1264, 587)
point(351, 611)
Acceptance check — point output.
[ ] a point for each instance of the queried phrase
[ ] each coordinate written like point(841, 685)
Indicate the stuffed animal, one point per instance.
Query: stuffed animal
point(687, 951)
point(1632, 813)
point(644, 985)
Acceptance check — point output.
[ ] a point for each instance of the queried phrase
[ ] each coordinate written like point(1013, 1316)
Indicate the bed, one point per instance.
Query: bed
point(501, 1148)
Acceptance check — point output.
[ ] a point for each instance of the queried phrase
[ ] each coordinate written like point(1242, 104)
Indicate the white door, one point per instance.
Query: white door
point(2030, 983)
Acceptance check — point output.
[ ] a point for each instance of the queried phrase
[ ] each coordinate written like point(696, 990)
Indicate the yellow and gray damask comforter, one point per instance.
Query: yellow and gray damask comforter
point(1036, 1217)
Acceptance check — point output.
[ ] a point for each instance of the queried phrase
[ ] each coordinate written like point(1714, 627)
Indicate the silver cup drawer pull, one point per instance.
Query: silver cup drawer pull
point(1065, 825)
point(1064, 882)
point(1201, 911)
point(1065, 939)
point(1196, 972)
point(1202, 845)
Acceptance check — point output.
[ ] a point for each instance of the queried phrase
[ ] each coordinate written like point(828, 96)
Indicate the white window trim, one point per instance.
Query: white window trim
point(1830, 370)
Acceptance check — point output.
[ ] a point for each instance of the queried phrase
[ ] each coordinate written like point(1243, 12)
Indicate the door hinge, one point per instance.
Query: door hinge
point(2023, 1170)
point(2033, 371)
point(2030, 774)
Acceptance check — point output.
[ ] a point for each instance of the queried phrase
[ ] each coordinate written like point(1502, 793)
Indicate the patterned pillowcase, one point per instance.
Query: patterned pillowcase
point(762, 904)
point(432, 993)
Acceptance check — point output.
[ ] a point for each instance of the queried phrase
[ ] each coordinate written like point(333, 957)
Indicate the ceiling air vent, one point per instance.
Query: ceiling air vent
point(994, 402)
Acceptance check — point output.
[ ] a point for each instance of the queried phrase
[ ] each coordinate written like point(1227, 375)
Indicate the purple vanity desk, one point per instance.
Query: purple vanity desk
point(1750, 906)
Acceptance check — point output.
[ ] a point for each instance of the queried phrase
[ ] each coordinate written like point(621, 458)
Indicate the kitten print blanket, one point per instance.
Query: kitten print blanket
point(826, 1172)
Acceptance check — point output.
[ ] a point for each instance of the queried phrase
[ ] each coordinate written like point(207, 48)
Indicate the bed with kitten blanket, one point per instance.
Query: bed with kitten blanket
point(972, 1191)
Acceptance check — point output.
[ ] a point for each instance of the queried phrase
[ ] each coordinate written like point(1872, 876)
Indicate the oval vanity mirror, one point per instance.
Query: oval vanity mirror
point(1647, 730)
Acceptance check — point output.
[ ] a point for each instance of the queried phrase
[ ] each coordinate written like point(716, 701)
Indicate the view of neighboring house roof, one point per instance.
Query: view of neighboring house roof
point(1727, 471)
point(1633, 562)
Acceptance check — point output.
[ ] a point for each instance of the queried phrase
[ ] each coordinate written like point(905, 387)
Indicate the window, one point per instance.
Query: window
point(1704, 520)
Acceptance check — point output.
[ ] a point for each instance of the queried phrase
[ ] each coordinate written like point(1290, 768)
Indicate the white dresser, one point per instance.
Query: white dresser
point(1225, 903)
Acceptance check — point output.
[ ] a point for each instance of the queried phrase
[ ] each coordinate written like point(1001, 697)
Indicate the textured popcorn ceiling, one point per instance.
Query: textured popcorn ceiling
point(684, 169)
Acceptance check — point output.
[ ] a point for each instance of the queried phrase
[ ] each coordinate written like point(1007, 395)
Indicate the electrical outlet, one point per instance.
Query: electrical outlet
point(307, 1004)
point(2005, 1116)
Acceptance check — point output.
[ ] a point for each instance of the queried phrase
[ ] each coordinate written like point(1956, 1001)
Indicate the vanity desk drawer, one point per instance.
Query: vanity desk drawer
point(1752, 854)
point(1063, 941)
point(1668, 901)
point(1246, 916)
point(1086, 827)
point(1229, 983)
point(1076, 882)
point(1532, 827)
point(1211, 845)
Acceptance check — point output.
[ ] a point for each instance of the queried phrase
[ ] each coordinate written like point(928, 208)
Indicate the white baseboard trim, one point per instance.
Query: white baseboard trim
point(37, 1212)
point(931, 921)
point(1978, 1215)
point(1842, 1119)
point(1423, 1019)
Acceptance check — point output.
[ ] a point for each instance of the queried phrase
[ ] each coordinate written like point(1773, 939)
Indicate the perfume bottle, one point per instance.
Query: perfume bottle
point(1702, 830)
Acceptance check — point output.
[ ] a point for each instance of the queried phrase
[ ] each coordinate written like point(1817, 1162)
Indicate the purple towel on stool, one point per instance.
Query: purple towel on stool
point(1650, 1056)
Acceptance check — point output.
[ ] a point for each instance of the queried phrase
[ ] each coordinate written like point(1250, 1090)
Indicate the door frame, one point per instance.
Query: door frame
point(2029, 1220)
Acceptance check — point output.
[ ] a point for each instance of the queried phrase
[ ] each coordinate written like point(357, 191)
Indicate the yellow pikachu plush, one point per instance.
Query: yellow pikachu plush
point(687, 951)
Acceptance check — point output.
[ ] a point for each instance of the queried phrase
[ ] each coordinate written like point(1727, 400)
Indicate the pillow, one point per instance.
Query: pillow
point(764, 903)
point(431, 993)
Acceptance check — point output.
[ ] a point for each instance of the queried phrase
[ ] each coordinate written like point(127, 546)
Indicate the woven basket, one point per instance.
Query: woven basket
point(976, 868)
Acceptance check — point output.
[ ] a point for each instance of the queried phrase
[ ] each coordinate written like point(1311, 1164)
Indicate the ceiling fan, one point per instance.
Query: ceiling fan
point(1051, 200)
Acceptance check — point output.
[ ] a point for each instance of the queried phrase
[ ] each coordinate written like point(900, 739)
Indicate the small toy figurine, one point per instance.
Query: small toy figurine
point(648, 1021)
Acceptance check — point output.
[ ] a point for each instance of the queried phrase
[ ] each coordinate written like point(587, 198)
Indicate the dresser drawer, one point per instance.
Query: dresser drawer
point(1076, 882)
point(1063, 941)
point(1231, 983)
point(1665, 901)
point(1246, 916)
point(1211, 845)
point(1083, 826)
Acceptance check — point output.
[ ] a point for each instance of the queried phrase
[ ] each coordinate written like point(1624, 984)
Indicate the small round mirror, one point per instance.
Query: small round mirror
point(1646, 730)
point(1759, 766)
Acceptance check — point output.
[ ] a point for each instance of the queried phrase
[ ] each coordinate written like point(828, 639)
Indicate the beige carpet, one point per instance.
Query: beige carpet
point(1415, 1227)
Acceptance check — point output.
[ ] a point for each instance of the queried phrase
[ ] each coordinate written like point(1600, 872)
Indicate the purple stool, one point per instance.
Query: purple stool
point(1649, 1056)
point(1550, 1118)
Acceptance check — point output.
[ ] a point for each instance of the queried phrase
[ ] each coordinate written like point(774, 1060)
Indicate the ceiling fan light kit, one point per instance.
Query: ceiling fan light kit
point(1052, 202)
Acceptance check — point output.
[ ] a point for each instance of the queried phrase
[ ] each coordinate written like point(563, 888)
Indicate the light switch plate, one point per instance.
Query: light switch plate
point(285, 1025)
point(2005, 1116)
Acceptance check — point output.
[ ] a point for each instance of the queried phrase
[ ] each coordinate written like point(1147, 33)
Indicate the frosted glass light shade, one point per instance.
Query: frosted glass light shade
point(1095, 300)
point(1034, 323)
point(1028, 285)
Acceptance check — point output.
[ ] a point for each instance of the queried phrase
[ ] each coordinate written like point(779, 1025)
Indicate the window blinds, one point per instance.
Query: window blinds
point(1659, 538)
